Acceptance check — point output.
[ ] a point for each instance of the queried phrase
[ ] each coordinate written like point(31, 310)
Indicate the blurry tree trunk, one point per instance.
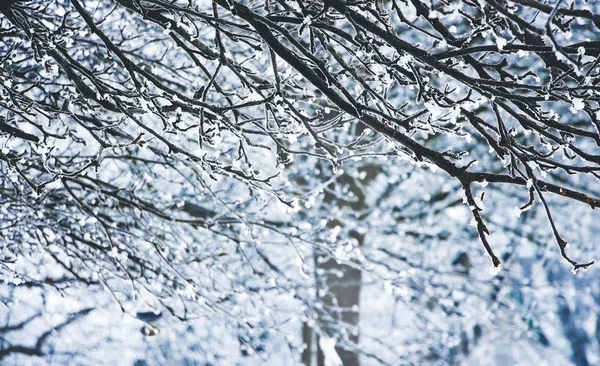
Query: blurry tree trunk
point(320, 356)
point(343, 293)
point(338, 284)
point(307, 337)
point(577, 336)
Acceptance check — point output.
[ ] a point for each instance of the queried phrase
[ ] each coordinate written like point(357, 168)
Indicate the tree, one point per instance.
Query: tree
point(184, 153)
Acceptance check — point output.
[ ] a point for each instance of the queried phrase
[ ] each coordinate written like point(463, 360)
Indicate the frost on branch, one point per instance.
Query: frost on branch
point(260, 168)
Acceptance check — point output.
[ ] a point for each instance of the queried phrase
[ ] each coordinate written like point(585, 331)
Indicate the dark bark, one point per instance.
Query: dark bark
point(6, 4)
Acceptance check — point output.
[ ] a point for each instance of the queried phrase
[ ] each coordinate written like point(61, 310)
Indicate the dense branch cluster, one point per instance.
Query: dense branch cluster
point(163, 143)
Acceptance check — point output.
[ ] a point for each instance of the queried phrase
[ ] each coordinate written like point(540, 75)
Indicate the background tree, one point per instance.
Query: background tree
point(223, 162)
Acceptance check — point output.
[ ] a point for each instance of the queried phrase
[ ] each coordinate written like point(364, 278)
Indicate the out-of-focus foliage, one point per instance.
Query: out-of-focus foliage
point(244, 182)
